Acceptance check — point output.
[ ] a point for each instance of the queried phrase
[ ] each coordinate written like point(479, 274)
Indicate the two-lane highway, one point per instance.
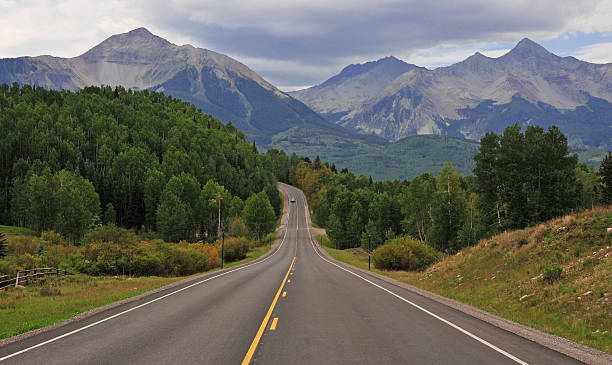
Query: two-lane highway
point(211, 320)
point(293, 307)
point(331, 315)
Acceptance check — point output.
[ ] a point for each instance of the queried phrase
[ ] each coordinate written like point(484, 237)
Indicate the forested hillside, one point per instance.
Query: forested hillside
point(520, 178)
point(72, 160)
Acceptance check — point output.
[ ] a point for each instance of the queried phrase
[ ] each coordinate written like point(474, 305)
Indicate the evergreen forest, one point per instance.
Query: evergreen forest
point(72, 161)
point(520, 178)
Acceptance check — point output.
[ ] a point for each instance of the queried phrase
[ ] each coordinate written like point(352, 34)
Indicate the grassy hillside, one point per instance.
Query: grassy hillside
point(554, 277)
point(405, 159)
point(414, 155)
point(331, 147)
point(590, 156)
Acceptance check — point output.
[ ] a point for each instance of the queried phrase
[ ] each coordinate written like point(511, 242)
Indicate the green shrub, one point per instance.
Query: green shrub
point(577, 249)
point(22, 245)
point(111, 250)
point(588, 262)
point(184, 259)
point(404, 253)
point(147, 263)
point(237, 228)
point(53, 238)
point(236, 248)
point(552, 273)
point(111, 233)
point(268, 239)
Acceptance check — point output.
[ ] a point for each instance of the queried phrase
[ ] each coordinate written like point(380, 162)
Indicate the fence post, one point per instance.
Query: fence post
point(17, 279)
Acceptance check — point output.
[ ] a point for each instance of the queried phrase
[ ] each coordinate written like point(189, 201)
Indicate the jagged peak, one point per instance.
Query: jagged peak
point(355, 69)
point(136, 36)
point(142, 31)
point(526, 42)
point(477, 56)
point(528, 47)
point(389, 59)
point(131, 41)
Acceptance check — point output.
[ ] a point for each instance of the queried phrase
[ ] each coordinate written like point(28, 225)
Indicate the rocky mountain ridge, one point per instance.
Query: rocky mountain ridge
point(138, 59)
point(528, 85)
point(352, 87)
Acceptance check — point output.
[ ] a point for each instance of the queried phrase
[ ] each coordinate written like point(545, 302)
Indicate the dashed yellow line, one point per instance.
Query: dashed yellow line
point(274, 322)
point(264, 324)
point(284, 294)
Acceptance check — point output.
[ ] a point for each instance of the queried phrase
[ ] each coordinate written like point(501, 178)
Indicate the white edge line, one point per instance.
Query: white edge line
point(484, 342)
point(143, 304)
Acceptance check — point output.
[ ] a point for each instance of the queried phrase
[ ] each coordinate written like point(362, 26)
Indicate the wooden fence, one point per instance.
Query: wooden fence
point(25, 277)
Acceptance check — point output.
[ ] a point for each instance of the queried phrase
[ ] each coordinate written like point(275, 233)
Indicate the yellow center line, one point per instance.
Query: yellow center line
point(274, 322)
point(264, 324)
point(284, 294)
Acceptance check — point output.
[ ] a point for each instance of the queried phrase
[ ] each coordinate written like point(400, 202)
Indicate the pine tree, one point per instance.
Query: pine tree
point(605, 174)
point(316, 165)
point(110, 216)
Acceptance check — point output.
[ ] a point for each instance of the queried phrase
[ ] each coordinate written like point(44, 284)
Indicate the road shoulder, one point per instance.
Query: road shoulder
point(183, 282)
point(572, 349)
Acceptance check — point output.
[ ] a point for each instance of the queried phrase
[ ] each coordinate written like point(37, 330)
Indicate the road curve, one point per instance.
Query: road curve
point(294, 307)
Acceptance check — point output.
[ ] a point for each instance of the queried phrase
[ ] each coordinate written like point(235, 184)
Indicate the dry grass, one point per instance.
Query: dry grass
point(36, 306)
point(506, 274)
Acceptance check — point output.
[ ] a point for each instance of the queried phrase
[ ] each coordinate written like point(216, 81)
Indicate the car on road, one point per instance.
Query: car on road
point(292, 199)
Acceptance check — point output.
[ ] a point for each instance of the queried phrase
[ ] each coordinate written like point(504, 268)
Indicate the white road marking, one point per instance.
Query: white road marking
point(143, 304)
point(484, 342)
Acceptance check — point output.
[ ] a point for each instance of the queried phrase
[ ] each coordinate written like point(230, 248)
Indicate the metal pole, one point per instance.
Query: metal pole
point(369, 251)
point(222, 247)
point(219, 226)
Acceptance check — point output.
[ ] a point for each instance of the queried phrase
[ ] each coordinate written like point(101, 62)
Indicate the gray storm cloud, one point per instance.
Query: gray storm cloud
point(300, 42)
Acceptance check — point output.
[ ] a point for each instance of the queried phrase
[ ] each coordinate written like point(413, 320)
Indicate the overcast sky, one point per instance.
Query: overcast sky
point(294, 44)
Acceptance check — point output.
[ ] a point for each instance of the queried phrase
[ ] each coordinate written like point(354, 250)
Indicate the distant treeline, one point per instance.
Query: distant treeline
point(520, 178)
point(70, 161)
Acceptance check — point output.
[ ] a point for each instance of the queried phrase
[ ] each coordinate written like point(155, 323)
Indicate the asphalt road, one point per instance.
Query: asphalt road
point(294, 307)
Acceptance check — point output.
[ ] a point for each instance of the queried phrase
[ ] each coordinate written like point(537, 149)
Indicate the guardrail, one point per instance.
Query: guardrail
point(25, 277)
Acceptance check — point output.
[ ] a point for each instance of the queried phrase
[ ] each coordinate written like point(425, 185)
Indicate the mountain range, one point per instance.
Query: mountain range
point(214, 82)
point(527, 85)
point(365, 117)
